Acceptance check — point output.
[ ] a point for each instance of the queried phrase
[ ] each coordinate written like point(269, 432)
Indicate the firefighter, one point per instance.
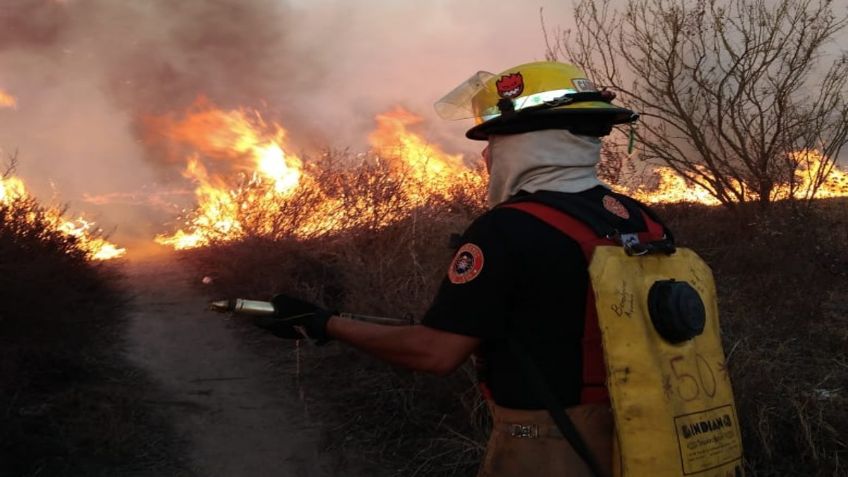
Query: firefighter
point(517, 294)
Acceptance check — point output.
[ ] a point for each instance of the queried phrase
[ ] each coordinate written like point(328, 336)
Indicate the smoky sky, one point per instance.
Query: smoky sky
point(148, 58)
point(86, 74)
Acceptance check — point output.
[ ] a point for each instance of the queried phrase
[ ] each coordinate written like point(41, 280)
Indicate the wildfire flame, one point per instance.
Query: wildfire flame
point(248, 183)
point(85, 232)
point(673, 188)
point(7, 100)
point(274, 182)
point(10, 189)
point(427, 163)
point(246, 143)
point(812, 165)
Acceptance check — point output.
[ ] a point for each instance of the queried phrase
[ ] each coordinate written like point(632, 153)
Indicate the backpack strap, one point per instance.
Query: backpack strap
point(558, 415)
point(593, 388)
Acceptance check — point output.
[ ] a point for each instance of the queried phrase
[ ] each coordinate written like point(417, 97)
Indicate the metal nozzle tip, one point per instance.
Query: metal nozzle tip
point(221, 306)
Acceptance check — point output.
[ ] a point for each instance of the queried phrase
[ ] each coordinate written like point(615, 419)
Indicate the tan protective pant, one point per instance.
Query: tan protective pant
point(528, 443)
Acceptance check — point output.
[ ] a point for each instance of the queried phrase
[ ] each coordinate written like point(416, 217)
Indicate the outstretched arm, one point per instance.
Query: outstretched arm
point(416, 347)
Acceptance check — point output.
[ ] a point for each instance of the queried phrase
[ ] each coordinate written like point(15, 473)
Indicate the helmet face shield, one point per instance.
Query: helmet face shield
point(512, 96)
point(457, 104)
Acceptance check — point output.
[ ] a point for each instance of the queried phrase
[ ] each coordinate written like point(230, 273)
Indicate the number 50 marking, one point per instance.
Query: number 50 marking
point(690, 386)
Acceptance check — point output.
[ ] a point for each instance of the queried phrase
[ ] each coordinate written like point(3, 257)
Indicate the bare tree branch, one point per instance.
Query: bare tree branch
point(728, 89)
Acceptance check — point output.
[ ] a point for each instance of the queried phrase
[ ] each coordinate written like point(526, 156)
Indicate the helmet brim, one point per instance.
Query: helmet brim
point(590, 121)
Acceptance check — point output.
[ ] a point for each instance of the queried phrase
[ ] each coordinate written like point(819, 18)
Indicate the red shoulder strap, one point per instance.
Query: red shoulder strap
point(594, 370)
point(578, 230)
point(565, 223)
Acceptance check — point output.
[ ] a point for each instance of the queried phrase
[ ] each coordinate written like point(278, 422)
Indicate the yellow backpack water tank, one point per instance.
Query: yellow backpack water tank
point(671, 393)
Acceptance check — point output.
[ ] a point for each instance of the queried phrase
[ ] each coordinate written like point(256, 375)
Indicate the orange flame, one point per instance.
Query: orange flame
point(813, 165)
point(427, 163)
point(7, 100)
point(673, 188)
point(277, 194)
point(88, 237)
point(245, 143)
point(10, 189)
point(248, 184)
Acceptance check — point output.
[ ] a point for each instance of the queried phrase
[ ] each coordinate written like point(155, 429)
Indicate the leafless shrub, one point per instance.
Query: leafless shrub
point(727, 89)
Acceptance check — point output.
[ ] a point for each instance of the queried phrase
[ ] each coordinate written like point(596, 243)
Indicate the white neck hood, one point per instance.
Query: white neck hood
point(551, 159)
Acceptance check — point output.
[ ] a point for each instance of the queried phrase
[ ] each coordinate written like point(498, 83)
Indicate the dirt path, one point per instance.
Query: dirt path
point(236, 414)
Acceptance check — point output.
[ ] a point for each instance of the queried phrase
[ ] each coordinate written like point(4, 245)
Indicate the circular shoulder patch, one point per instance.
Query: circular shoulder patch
point(466, 265)
point(617, 208)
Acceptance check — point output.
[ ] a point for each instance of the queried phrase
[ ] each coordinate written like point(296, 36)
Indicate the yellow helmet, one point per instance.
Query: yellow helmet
point(530, 97)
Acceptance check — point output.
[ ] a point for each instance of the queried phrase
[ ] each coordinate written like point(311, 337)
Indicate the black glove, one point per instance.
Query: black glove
point(296, 319)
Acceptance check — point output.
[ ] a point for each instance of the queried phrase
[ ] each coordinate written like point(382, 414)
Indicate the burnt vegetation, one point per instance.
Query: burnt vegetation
point(69, 403)
point(781, 277)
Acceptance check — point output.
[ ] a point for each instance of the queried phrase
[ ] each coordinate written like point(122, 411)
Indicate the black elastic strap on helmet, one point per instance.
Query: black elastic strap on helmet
point(506, 106)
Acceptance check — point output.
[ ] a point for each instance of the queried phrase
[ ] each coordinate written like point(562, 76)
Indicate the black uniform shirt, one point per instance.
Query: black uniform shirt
point(516, 275)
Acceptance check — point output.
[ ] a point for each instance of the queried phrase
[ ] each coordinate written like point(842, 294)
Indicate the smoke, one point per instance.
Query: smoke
point(30, 24)
point(156, 57)
point(88, 75)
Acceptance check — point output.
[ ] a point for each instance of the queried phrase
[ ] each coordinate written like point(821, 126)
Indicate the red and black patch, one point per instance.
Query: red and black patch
point(615, 207)
point(466, 265)
point(510, 86)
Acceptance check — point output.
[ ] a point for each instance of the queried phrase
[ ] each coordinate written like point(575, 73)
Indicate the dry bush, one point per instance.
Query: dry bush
point(337, 192)
point(782, 281)
point(35, 263)
point(68, 402)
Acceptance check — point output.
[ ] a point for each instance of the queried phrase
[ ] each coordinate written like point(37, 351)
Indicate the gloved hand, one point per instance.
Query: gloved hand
point(296, 319)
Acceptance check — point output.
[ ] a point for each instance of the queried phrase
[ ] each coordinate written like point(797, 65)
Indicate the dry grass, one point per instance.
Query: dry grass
point(782, 280)
point(782, 288)
point(68, 402)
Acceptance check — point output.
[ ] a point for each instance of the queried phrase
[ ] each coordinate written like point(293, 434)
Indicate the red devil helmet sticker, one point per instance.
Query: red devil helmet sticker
point(510, 86)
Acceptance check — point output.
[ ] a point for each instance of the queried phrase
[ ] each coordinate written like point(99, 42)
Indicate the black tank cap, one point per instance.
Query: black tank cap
point(677, 311)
